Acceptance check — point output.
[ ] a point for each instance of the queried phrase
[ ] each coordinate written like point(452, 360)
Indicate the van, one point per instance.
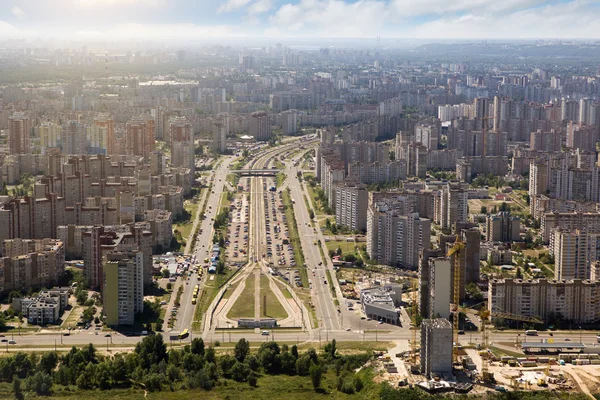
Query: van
point(12, 342)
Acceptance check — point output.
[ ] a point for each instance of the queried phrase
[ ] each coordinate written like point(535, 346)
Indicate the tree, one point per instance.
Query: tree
point(48, 362)
point(153, 381)
point(16, 388)
point(40, 383)
point(252, 379)
point(252, 362)
point(82, 296)
point(165, 273)
point(169, 286)
point(518, 273)
point(240, 371)
point(338, 251)
point(227, 362)
point(330, 348)
point(483, 210)
point(316, 373)
point(197, 346)
point(242, 349)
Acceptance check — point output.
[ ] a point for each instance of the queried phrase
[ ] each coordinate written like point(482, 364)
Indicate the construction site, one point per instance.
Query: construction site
point(440, 358)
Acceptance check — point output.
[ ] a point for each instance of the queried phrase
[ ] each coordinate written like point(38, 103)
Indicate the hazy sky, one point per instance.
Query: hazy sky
point(197, 19)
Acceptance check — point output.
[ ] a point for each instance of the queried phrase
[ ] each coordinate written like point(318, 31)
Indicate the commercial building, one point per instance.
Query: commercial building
point(45, 308)
point(123, 288)
point(503, 227)
point(570, 300)
point(382, 303)
point(436, 348)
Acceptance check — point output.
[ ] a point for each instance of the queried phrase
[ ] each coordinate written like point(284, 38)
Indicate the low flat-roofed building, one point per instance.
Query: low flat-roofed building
point(381, 303)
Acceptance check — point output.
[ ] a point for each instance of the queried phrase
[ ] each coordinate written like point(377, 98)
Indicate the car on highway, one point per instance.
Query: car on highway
point(265, 333)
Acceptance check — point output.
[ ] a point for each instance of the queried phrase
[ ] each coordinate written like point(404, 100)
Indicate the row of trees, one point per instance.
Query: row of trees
point(153, 368)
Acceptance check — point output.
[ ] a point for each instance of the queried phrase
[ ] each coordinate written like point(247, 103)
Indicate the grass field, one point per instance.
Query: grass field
point(347, 247)
point(244, 305)
point(274, 307)
point(207, 295)
point(71, 320)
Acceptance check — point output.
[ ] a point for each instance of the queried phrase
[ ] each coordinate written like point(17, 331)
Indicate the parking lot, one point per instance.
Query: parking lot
point(237, 228)
point(280, 252)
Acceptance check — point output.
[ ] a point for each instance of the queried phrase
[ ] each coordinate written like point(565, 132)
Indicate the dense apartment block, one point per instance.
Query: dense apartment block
point(351, 202)
point(570, 300)
point(98, 241)
point(18, 134)
point(395, 238)
point(503, 227)
point(123, 288)
point(573, 251)
point(436, 348)
point(440, 286)
point(30, 264)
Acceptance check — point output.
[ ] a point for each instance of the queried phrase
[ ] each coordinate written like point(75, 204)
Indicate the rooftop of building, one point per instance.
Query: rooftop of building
point(438, 323)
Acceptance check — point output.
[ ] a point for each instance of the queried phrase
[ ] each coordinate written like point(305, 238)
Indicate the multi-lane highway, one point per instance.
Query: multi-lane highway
point(341, 325)
point(203, 246)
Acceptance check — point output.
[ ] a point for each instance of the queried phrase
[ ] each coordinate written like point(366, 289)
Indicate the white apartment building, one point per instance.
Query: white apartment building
point(572, 300)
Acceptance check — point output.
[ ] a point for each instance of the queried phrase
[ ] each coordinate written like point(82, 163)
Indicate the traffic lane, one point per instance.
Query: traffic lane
point(326, 306)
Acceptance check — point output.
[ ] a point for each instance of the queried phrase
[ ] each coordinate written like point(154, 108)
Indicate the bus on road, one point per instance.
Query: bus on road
point(184, 334)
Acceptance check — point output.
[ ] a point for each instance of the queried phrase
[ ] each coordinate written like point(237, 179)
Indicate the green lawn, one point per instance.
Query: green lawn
point(244, 305)
point(347, 247)
point(208, 292)
point(274, 307)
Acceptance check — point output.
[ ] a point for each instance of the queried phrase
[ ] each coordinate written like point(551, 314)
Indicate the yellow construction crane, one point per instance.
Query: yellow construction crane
point(456, 252)
point(484, 314)
point(415, 312)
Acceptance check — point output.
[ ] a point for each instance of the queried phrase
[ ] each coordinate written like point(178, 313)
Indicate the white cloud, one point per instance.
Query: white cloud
point(260, 7)
point(551, 21)
point(411, 8)
point(10, 31)
point(232, 5)
point(172, 31)
point(334, 18)
point(17, 12)
point(119, 3)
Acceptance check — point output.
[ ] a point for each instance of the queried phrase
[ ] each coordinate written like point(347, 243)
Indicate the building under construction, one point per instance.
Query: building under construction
point(436, 347)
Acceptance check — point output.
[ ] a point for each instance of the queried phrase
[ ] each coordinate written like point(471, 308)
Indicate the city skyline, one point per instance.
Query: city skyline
point(184, 20)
